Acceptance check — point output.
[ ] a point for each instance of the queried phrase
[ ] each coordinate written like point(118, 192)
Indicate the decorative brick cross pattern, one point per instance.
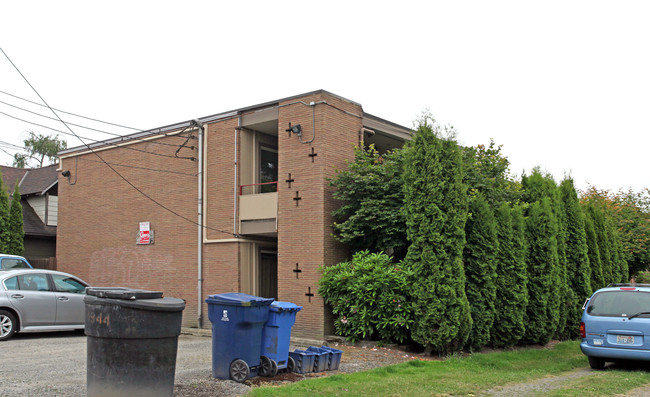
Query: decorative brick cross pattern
point(290, 180)
point(309, 294)
point(297, 198)
point(297, 271)
point(312, 155)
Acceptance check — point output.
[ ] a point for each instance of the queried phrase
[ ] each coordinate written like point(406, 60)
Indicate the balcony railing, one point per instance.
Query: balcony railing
point(257, 188)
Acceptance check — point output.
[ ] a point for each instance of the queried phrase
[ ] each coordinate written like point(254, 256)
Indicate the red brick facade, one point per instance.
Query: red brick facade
point(99, 213)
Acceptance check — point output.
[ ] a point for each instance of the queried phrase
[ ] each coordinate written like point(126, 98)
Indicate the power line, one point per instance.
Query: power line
point(79, 125)
point(95, 140)
point(72, 114)
point(104, 161)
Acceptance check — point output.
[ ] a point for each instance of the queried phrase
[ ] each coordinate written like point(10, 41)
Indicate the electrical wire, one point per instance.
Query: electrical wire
point(81, 138)
point(72, 114)
point(104, 161)
point(79, 125)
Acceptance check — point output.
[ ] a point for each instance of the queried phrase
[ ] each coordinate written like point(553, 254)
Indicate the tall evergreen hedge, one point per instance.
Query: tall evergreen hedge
point(4, 218)
point(480, 270)
point(542, 315)
point(577, 258)
point(511, 278)
point(435, 205)
point(15, 244)
point(595, 264)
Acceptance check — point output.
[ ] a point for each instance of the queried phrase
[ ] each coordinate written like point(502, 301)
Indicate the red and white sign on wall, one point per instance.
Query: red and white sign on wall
point(145, 235)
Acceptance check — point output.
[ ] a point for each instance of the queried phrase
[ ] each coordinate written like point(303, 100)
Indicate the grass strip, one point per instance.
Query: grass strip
point(453, 376)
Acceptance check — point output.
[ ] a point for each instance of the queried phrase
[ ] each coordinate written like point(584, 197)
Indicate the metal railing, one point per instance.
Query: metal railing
point(258, 187)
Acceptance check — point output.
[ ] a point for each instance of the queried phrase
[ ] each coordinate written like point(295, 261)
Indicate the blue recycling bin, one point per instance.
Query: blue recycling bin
point(237, 322)
point(276, 336)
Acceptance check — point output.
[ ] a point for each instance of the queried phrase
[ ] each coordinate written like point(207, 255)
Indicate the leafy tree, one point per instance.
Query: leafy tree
point(39, 148)
point(436, 210)
point(511, 277)
point(487, 171)
point(370, 297)
point(542, 315)
point(480, 270)
point(577, 258)
point(4, 218)
point(371, 216)
point(15, 225)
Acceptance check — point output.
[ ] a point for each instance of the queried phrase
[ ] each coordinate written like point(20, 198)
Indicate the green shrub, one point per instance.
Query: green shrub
point(369, 297)
point(643, 277)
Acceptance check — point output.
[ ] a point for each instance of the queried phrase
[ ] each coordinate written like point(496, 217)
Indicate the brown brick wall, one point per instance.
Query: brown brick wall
point(304, 233)
point(99, 215)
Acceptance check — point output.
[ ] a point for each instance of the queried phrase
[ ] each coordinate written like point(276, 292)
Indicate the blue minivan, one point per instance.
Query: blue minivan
point(13, 262)
point(616, 324)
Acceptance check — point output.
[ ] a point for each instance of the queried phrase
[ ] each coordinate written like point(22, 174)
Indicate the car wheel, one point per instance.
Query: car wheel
point(596, 362)
point(7, 325)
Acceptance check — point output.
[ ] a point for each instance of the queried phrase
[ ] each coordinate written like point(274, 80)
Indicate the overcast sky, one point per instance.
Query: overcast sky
point(564, 85)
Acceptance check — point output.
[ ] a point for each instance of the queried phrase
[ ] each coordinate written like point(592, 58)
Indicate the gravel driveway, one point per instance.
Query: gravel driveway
point(54, 364)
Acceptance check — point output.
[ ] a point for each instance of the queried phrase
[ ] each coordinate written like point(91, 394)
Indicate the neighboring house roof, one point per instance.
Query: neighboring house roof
point(33, 225)
point(32, 181)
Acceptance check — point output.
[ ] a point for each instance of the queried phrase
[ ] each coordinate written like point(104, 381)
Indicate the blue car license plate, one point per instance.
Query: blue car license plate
point(625, 339)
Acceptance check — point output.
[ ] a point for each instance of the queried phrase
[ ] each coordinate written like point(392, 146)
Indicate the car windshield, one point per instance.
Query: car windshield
point(619, 304)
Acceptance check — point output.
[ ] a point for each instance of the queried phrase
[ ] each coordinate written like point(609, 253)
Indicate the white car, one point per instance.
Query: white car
point(35, 300)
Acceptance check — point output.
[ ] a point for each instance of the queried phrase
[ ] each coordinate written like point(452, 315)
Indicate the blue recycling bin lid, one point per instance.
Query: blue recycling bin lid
point(285, 307)
point(238, 299)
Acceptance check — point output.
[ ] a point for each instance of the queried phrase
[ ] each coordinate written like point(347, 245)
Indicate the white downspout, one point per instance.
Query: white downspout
point(200, 227)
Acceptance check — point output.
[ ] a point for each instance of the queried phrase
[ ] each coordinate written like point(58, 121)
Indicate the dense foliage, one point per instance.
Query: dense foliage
point(15, 225)
point(511, 297)
point(370, 297)
point(479, 257)
point(5, 235)
point(495, 261)
point(435, 205)
point(370, 217)
point(39, 148)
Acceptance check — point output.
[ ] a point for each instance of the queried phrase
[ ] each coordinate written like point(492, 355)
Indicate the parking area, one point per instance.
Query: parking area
point(54, 364)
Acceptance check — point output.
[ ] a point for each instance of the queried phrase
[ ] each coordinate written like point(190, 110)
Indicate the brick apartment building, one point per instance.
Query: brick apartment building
point(257, 184)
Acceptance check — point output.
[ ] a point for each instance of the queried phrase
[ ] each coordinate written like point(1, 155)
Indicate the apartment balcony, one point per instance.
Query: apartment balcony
point(258, 209)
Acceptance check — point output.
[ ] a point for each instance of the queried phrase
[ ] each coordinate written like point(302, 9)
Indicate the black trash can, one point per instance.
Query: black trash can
point(132, 342)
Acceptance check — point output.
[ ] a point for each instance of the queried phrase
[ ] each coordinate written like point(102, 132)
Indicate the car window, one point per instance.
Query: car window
point(11, 283)
point(33, 282)
point(619, 303)
point(68, 284)
point(13, 263)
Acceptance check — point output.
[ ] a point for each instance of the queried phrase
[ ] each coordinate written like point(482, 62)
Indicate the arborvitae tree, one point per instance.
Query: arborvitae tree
point(577, 259)
point(618, 256)
point(597, 278)
point(604, 244)
point(480, 269)
point(4, 217)
point(543, 276)
point(511, 281)
point(15, 226)
point(435, 204)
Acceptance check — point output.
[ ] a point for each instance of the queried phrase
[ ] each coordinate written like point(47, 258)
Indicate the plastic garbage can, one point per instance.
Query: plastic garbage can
point(132, 342)
point(304, 361)
point(322, 360)
point(276, 336)
point(237, 322)
point(335, 357)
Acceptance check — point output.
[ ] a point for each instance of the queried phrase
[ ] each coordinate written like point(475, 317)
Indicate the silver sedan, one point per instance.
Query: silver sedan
point(40, 300)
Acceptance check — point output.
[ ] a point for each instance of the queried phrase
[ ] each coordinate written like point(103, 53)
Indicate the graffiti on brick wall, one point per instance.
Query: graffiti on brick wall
point(129, 267)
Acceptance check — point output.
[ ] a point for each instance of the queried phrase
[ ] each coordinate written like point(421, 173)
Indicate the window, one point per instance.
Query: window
point(33, 282)
point(13, 263)
point(268, 169)
point(68, 284)
point(619, 304)
point(11, 283)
